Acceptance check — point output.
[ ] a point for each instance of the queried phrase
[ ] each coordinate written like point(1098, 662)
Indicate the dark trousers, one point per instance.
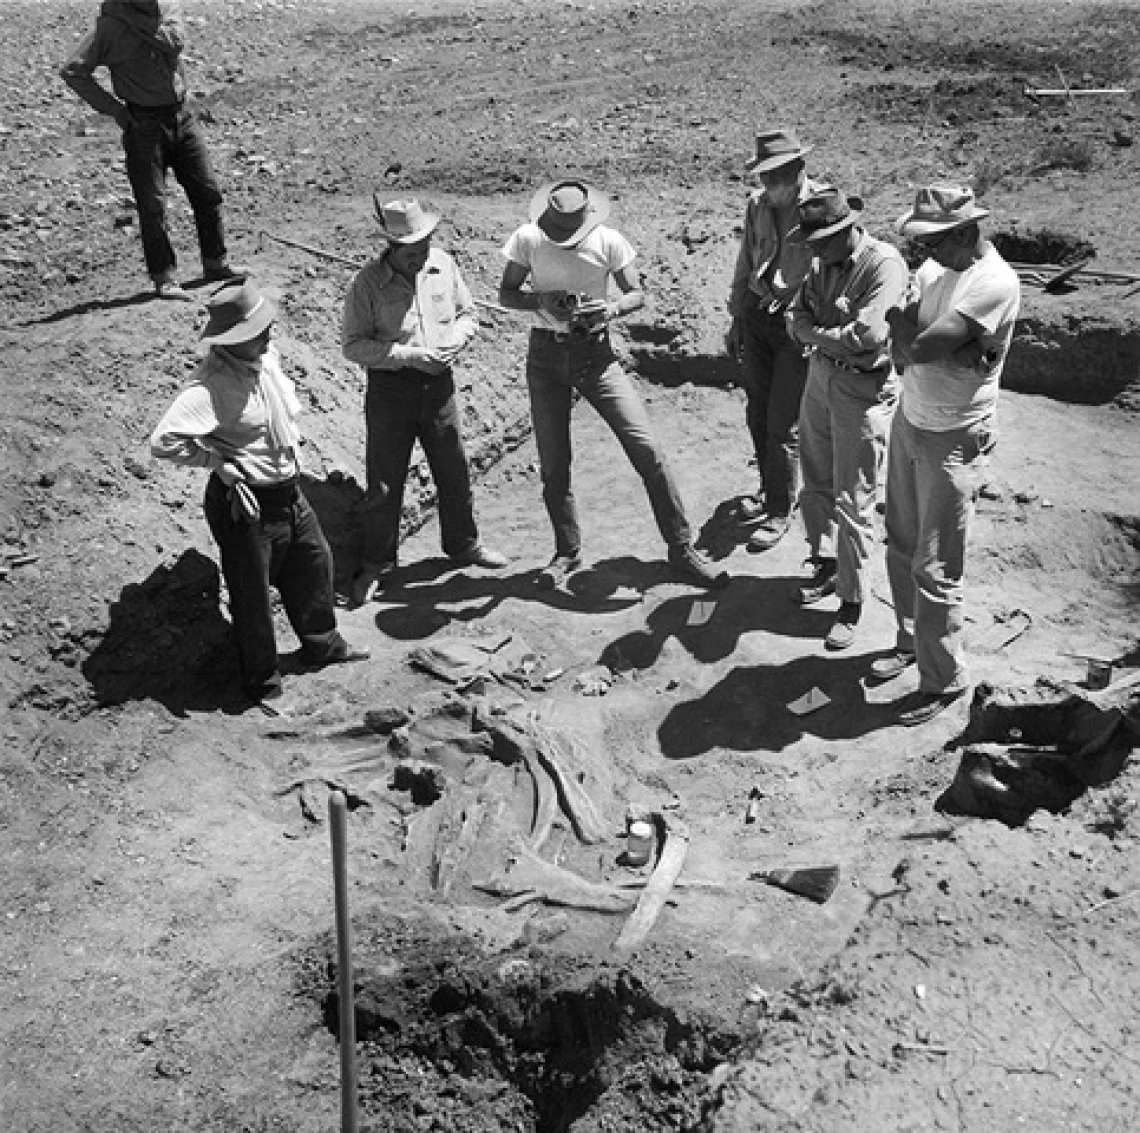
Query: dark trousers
point(400, 408)
point(775, 372)
point(286, 548)
point(556, 370)
point(162, 139)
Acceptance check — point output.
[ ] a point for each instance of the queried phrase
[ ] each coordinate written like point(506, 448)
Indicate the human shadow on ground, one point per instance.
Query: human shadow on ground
point(748, 710)
point(115, 304)
point(656, 365)
point(415, 605)
point(167, 641)
point(723, 532)
point(749, 603)
point(342, 506)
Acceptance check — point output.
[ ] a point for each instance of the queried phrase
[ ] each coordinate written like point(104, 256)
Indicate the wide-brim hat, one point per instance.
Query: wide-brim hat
point(568, 211)
point(824, 213)
point(237, 312)
point(939, 208)
point(404, 222)
point(775, 148)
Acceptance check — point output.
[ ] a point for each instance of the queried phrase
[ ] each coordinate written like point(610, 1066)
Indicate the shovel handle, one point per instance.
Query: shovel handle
point(338, 830)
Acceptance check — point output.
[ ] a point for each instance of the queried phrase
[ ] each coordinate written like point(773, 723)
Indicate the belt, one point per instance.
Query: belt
point(270, 494)
point(166, 108)
point(841, 365)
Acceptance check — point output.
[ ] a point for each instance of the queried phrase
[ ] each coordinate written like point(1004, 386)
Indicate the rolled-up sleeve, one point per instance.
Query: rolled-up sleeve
point(180, 436)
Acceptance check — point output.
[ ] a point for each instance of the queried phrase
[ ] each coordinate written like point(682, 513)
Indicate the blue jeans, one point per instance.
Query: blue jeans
point(555, 371)
point(287, 549)
point(932, 482)
point(844, 419)
point(401, 407)
point(162, 139)
point(774, 373)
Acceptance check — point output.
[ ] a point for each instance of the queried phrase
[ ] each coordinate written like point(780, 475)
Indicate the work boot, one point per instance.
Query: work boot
point(688, 562)
point(558, 571)
point(842, 633)
point(219, 271)
point(771, 529)
point(819, 586)
point(482, 556)
point(368, 584)
point(170, 289)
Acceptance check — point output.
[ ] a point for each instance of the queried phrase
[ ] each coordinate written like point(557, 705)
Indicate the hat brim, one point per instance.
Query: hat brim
point(765, 165)
point(908, 226)
point(430, 224)
point(597, 210)
point(798, 236)
point(262, 316)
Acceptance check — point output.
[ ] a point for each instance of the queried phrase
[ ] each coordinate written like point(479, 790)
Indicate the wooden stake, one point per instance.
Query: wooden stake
point(338, 829)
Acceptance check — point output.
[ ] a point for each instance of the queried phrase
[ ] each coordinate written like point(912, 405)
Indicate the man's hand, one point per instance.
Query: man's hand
point(420, 358)
point(734, 340)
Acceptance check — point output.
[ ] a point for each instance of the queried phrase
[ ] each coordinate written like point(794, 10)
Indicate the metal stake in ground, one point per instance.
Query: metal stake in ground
point(338, 829)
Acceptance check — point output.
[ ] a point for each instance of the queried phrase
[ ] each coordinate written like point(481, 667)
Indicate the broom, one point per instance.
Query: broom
point(816, 884)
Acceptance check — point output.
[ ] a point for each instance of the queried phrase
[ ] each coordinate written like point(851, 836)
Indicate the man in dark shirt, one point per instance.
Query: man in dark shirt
point(140, 43)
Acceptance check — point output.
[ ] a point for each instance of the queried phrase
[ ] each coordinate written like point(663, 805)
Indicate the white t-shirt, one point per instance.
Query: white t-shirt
point(944, 395)
point(584, 269)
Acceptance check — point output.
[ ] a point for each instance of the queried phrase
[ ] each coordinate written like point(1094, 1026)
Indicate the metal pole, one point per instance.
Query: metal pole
point(338, 829)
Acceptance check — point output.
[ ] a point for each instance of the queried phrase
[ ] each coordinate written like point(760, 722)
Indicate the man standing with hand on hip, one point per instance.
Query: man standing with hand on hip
point(140, 43)
point(769, 271)
point(238, 418)
point(950, 345)
point(407, 318)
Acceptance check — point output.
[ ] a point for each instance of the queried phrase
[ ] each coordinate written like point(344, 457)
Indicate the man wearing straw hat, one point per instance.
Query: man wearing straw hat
point(238, 418)
point(769, 271)
point(839, 318)
point(950, 345)
point(569, 256)
point(407, 318)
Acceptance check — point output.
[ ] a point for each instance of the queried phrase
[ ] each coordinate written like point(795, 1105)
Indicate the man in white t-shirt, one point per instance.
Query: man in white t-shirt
point(569, 257)
point(950, 345)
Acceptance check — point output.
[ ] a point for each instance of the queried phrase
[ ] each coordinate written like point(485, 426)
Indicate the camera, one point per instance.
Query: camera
point(587, 316)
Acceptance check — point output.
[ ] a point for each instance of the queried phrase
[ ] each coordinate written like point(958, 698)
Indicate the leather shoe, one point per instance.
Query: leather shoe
point(921, 707)
point(482, 556)
point(169, 289)
point(889, 667)
point(340, 654)
point(819, 586)
point(771, 530)
point(220, 272)
point(842, 633)
point(368, 583)
point(688, 562)
point(558, 570)
point(750, 509)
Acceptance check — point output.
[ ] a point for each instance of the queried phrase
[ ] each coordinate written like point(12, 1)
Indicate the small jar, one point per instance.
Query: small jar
point(638, 843)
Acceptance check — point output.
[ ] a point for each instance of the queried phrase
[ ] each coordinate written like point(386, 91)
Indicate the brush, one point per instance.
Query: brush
point(816, 884)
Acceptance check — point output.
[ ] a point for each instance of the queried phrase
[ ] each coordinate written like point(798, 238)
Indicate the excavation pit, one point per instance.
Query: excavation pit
point(451, 1038)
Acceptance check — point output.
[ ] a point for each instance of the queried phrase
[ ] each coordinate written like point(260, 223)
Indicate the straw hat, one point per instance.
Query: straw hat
point(238, 312)
point(404, 222)
point(775, 148)
point(568, 211)
point(939, 208)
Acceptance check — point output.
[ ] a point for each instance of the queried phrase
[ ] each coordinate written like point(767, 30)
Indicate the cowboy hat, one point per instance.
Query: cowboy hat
point(568, 211)
point(238, 312)
point(404, 222)
point(939, 208)
point(824, 213)
point(775, 148)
